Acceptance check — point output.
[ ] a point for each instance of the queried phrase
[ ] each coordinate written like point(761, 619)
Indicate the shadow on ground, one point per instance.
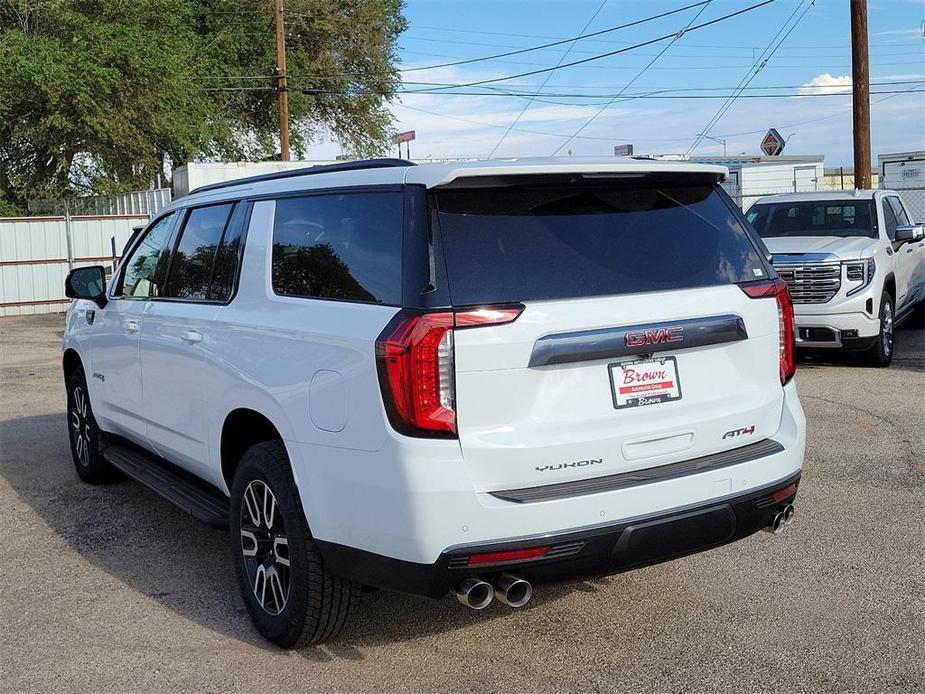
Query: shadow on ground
point(149, 545)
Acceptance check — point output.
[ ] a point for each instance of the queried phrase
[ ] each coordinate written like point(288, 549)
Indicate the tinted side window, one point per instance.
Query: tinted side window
point(898, 210)
point(191, 270)
point(344, 246)
point(146, 267)
point(889, 220)
point(226, 261)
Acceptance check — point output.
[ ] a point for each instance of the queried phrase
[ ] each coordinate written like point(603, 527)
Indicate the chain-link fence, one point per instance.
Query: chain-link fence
point(914, 199)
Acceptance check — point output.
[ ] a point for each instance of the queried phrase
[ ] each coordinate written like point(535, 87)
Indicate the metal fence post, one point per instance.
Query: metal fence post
point(67, 234)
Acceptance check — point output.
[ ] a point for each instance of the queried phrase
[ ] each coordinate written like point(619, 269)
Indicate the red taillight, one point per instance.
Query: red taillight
point(782, 494)
point(415, 356)
point(778, 289)
point(509, 555)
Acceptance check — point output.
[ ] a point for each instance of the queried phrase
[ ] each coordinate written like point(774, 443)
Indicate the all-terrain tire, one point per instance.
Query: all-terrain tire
point(87, 442)
point(265, 511)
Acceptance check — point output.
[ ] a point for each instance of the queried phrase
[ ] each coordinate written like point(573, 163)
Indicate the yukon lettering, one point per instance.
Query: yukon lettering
point(577, 463)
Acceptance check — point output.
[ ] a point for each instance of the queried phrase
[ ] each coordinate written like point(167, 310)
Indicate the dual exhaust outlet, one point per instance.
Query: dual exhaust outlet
point(478, 594)
point(781, 520)
point(516, 592)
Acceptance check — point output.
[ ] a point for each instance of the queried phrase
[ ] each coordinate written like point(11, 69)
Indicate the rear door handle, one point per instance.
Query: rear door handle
point(192, 336)
point(132, 326)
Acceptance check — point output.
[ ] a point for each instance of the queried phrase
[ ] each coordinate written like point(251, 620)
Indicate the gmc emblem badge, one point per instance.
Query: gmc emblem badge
point(638, 338)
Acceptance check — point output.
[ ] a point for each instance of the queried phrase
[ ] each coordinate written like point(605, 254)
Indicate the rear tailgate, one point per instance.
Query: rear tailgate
point(609, 272)
point(521, 426)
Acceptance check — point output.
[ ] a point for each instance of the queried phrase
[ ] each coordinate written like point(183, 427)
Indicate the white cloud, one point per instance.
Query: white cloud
point(901, 33)
point(827, 84)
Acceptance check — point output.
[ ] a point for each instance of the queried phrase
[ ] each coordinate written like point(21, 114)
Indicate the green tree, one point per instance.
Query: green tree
point(99, 95)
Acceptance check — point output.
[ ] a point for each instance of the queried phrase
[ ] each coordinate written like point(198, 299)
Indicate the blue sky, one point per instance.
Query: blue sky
point(814, 58)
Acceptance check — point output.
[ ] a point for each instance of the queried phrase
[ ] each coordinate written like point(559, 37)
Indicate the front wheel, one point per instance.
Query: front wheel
point(292, 598)
point(85, 437)
point(880, 354)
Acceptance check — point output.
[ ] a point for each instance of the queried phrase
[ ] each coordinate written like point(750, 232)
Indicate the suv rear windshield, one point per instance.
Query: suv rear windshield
point(523, 242)
point(814, 218)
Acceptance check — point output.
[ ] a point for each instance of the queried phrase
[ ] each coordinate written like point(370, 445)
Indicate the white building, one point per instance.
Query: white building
point(752, 177)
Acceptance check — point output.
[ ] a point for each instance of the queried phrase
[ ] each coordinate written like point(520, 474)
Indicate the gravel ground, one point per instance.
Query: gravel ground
point(111, 588)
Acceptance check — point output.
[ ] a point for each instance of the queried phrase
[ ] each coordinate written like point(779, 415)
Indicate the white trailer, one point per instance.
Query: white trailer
point(191, 176)
point(904, 172)
point(751, 178)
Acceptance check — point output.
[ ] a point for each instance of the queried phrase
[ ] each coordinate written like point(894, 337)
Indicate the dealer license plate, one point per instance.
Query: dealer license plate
point(645, 382)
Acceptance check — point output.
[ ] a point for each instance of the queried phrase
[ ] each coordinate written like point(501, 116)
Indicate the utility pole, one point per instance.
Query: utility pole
point(860, 79)
point(281, 82)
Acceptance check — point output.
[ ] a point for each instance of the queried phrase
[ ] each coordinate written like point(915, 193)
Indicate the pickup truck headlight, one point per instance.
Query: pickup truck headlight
point(860, 271)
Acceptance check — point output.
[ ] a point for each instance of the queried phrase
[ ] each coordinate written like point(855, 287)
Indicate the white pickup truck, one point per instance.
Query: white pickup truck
point(854, 262)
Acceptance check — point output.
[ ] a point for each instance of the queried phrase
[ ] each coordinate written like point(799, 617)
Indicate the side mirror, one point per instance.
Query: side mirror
point(87, 283)
point(910, 233)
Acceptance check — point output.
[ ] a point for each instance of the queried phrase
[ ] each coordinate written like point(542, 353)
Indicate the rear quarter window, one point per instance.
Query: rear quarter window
point(525, 242)
point(339, 246)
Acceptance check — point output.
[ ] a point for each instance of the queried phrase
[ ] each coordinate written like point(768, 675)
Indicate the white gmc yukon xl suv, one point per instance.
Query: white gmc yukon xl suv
point(855, 264)
point(463, 378)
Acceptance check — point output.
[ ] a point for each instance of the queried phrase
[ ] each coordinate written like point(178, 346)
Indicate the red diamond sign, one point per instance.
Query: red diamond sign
point(773, 143)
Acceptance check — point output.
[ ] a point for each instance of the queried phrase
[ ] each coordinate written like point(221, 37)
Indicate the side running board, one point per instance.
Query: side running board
point(211, 507)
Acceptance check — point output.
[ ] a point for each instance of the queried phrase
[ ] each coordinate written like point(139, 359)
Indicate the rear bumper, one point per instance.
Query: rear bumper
point(594, 551)
point(413, 503)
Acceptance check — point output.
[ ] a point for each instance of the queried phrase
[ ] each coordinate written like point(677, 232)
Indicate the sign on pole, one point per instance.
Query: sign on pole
point(403, 137)
point(623, 150)
point(772, 144)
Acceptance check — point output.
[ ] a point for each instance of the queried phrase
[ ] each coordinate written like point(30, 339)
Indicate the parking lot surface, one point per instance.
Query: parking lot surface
point(111, 588)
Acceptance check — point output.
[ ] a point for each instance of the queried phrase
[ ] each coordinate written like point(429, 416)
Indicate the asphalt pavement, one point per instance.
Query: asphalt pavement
point(113, 589)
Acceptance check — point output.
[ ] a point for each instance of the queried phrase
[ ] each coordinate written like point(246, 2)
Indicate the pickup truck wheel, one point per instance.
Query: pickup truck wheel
point(292, 598)
point(84, 434)
point(881, 353)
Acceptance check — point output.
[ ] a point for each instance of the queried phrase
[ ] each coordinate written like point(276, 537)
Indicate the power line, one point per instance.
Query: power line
point(747, 79)
point(546, 79)
point(785, 126)
point(675, 68)
point(430, 39)
point(537, 90)
point(415, 27)
point(507, 95)
point(592, 138)
point(639, 74)
point(733, 66)
point(519, 130)
point(561, 42)
point(621, 50)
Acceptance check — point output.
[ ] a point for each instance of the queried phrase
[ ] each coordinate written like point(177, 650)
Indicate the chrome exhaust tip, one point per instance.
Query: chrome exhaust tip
point(789, 512)
point(513, 591)
point(777, 524)
point(475, 593)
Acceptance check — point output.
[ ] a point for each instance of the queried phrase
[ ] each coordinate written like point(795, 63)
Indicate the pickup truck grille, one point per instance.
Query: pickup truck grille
point(811, 284)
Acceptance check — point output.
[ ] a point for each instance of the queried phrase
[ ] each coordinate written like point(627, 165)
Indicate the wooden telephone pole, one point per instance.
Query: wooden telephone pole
point(281, 82)
point(860, 79)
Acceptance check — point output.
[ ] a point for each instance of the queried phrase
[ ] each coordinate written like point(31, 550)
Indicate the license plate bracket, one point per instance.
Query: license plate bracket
point(650, 381)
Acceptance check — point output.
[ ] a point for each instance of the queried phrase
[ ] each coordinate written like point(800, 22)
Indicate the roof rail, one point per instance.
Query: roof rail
point(309, 170)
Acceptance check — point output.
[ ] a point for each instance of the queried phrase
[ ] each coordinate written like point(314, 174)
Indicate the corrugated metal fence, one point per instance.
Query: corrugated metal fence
point(36, 253)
